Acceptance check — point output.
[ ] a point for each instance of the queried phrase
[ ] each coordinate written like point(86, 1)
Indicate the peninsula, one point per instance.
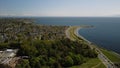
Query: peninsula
point(72, 33)
point(24, 44)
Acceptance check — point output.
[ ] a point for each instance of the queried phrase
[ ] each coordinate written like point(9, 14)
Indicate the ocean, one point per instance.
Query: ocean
point(105, 33)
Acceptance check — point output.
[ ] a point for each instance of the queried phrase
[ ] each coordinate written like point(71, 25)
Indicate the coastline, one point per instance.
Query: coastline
point(76, 32)
point(107, 62)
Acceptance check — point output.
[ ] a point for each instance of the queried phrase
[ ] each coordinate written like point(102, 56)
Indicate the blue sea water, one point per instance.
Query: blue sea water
point(105, 33)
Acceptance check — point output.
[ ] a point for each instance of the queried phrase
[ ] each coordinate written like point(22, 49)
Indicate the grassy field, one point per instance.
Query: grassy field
point(111, 55)
point(91, 63)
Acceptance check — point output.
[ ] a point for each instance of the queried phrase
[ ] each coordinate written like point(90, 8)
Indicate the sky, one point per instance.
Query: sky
point(45, 8)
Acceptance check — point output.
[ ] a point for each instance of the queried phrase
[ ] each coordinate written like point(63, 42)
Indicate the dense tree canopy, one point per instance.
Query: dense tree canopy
point(55, 53)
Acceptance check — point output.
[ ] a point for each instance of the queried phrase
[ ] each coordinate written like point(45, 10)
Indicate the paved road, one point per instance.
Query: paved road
point(101, 56)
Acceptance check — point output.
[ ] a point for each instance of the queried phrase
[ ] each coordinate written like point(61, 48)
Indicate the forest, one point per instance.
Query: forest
point(42, 46)
point(51, 53)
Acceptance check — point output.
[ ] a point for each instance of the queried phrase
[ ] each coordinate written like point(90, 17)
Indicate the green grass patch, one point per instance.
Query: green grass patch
point(91, 63)
point(100, 66)
point(111, 55)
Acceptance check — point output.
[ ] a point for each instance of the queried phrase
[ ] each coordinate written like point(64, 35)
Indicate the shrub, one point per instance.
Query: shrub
point(68, 61)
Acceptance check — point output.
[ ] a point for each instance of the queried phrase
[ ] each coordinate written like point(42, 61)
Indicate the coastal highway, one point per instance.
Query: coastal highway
point(73, 30)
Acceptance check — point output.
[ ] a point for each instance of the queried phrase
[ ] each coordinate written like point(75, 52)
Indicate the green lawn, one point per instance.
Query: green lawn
point(91, 63)
point(111, 55)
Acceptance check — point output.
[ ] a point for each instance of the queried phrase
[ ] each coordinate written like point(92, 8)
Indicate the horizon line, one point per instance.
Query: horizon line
point(59, 16)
